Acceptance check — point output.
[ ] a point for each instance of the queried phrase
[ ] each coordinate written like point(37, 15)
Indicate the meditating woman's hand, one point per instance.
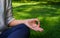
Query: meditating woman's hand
point(31, 23)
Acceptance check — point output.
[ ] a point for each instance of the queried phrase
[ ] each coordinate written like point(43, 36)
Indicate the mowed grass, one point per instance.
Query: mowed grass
point(49, 16)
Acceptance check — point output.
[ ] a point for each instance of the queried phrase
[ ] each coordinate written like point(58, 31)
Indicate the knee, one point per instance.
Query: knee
point(22, 30)
point(21, 27)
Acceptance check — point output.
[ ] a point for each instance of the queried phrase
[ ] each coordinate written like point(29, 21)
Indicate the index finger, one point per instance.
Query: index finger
point(38, 21)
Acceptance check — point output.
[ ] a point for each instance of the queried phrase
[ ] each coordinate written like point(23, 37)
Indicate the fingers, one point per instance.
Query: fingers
point(37, 29)
point(36, 20)
point(31, 23)
point(35, 26)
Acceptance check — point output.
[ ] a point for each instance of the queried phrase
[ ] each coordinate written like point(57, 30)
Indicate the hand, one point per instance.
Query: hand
point(31, 23)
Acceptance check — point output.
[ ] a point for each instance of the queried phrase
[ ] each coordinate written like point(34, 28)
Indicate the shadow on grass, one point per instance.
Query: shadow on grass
point(36, 12)
point(53, 4)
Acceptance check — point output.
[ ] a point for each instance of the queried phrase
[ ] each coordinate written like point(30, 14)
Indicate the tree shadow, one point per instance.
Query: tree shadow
point(36, 12)
point(53, 4)
point(43, 12)
point(22, 7)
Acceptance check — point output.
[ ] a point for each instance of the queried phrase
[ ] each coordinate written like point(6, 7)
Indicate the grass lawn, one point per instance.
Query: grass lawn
point(49, 16)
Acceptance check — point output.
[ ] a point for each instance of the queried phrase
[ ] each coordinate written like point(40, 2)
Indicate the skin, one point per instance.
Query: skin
point(31, 23)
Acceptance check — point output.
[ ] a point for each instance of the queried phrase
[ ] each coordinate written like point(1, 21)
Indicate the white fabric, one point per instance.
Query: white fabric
point(9, 13)
point(1, 14)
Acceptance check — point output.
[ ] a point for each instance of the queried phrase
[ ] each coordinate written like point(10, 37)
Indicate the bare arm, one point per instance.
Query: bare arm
point(16, 22)
point(31, 23)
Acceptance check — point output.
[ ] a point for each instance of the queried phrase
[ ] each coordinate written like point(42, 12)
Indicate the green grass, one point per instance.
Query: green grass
point(49, 16)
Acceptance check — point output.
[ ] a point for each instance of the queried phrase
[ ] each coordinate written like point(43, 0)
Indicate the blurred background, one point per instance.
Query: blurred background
point(48, 11)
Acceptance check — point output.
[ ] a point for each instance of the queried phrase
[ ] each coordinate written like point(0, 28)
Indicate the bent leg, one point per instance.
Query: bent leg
point(18, 31)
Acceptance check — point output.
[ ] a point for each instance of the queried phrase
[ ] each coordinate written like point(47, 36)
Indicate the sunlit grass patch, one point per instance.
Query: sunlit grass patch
point(49, 15)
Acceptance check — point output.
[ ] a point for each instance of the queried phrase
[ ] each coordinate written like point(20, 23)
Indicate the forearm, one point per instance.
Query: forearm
point(15, 22)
